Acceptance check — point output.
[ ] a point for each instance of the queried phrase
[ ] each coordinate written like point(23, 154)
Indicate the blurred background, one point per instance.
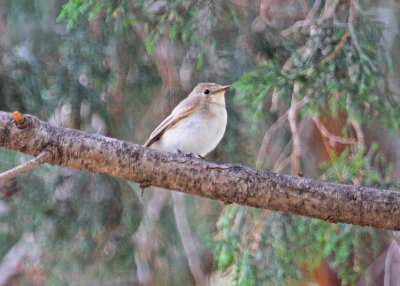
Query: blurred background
point(316, 92)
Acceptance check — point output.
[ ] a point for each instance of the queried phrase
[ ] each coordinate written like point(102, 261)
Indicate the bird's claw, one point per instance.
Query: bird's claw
point(191, 155)
point(186, 154)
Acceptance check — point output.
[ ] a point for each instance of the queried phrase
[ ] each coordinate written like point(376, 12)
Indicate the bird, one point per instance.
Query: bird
point(196, 125)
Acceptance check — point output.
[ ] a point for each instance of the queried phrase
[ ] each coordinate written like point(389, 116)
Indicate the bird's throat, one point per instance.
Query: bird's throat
point(219, 98)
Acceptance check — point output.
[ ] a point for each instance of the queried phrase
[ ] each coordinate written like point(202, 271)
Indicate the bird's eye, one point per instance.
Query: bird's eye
point(206, 91)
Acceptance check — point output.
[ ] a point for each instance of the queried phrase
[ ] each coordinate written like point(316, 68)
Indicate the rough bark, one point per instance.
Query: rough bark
point(224, 182)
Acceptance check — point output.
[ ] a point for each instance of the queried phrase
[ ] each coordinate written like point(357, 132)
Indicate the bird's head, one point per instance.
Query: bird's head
point(211, 91)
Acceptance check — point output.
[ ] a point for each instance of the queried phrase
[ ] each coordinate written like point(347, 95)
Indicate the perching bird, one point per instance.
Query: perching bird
point(196, 125)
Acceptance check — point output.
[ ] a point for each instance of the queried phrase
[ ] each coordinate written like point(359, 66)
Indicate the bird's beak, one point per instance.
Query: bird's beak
point(222, 88)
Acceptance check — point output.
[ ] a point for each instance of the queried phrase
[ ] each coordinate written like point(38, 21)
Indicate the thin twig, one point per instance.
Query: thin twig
point(357, 128)
point(328, 149)
point(42, 158)
point(267, 137)
point(389, 263)
point(256, 232)
point(328, 10)
point(147, 235)
point(302, 23)
point(11, 262)
point(283, 159)
point(359, 133)
point(274, 127)
point(282, 164)
point(337, 49)
point(295, 27)
point(332, 137)
point(292, 117)
point(305, 7)
point(311, 14)
point(188, 241)
point(352, 18)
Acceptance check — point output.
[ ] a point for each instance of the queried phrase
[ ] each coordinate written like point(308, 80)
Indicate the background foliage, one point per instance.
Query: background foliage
point(315, 91)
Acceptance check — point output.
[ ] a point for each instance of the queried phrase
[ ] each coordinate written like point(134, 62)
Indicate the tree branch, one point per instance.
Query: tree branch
point(224, 182)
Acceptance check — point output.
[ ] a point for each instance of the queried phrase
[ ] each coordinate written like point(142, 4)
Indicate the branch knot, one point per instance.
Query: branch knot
point(20, 120)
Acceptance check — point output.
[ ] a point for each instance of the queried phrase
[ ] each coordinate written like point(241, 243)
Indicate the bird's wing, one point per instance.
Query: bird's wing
point(182, 110)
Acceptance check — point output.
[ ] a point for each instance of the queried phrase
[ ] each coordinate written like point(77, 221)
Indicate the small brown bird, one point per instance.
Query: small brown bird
point(196, 125)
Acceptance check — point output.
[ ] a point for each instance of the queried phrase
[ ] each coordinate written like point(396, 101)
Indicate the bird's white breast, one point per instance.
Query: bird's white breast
point(199, 133)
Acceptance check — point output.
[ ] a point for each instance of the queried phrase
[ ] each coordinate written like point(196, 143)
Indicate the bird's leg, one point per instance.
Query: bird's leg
point(201, 157)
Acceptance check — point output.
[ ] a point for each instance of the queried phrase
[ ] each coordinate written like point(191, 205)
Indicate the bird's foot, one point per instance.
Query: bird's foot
point(191, 155)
